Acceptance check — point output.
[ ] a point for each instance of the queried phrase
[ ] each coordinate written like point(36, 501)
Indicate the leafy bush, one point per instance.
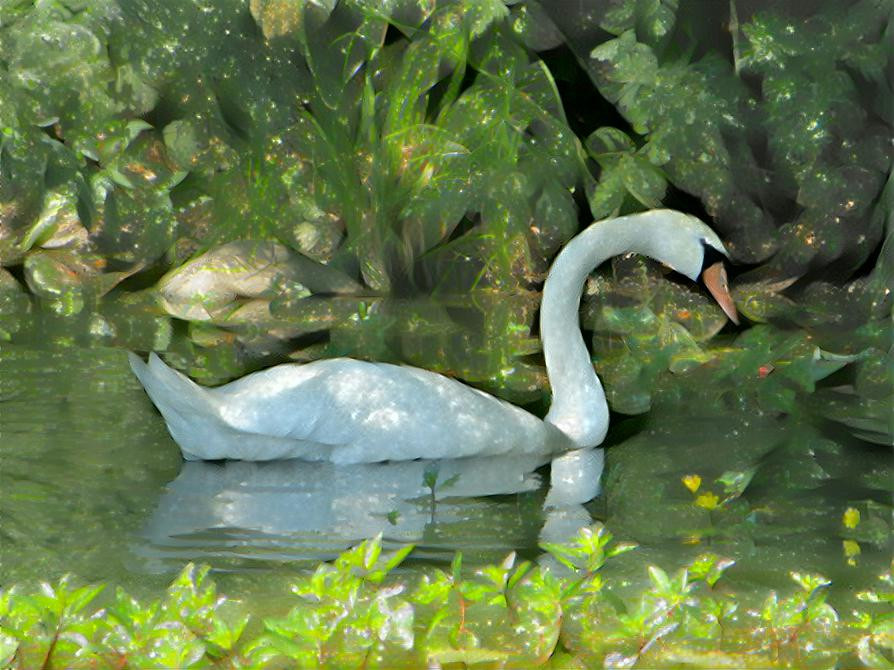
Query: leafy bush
point(426, 157)
point(357, 613)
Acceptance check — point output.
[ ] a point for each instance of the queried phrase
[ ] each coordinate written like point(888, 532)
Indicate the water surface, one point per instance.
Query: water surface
point(93, 485)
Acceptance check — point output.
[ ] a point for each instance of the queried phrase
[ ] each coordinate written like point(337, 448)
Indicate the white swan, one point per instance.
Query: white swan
point(349, 411)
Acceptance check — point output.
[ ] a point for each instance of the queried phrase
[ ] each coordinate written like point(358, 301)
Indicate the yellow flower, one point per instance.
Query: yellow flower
point(851, 517)
point(851, 551)
point(692, 482)
point(708, 501)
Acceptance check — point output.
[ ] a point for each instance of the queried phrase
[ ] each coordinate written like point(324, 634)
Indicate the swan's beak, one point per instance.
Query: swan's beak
point(715, 280)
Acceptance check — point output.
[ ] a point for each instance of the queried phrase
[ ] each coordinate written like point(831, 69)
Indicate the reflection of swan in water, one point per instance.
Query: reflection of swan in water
point(293, 509)
point(348, 411)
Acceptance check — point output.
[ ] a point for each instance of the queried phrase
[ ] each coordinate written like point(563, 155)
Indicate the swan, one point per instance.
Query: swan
point(347, 411)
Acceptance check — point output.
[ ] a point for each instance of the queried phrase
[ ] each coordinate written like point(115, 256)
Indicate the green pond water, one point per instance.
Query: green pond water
point(93, 485)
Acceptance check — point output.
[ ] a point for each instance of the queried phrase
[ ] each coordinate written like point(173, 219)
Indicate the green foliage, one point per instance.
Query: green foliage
point(585, 555)
point(687, 112)
point(357, 613)
point(413, 167)
point(645, 327)
point(421, 153)
point(387, 146)
point(346, 617)
point(190, 627)
point(876, 647)
point(626, 172)
point(699, 119)
point(653, 20)
point(818, 131)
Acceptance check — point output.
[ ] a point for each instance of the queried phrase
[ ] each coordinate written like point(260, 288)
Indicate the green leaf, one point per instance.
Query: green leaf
point(432, 588)
point(709, 567)
point(468, 656)
point(456, 568)
point(520, 571)
point(406, 109)
point(58, 223)
point(78, 599)
point(284, 645)
point(653, 20)
point(373, 551)
point(809, 582)
point(736, 481)
point(620, 548)
point(608, 196)
point(479, 15)
point(607, 142)
point(398, 557)
point(659, 579)
point(561, 553)
point(643, 181)
point(338, 42)
point(627, 66)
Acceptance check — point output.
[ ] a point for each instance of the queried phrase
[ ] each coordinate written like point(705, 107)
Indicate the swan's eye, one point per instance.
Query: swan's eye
point(711, 255)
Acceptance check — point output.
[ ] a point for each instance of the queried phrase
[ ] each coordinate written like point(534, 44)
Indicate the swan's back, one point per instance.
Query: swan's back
point(342, 410)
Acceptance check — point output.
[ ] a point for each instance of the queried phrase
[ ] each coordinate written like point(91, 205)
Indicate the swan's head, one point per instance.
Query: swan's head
point(689, 246)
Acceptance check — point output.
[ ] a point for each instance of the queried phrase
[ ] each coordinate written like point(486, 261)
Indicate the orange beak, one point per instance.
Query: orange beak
point(716, 282)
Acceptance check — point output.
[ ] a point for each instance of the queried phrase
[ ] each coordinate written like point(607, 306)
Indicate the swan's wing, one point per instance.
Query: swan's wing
point(391, 412)
point(369, 412)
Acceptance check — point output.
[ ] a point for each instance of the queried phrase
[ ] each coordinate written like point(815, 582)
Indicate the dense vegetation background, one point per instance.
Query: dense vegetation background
point(242, 183)
point(410, 150)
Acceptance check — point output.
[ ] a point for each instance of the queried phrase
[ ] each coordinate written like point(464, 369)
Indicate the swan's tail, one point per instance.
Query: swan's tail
point(188, 409)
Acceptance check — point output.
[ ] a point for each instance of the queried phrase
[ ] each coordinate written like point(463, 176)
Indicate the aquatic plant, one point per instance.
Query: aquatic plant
point(357, 612)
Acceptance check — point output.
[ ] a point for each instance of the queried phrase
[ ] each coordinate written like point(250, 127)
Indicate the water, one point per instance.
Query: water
point(93, 485)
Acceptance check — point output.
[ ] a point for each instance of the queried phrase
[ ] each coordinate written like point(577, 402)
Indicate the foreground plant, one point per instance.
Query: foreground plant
point(190, 627)
point(356, 613)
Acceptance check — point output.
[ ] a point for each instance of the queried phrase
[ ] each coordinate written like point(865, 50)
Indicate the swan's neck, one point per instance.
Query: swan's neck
point(578, 406)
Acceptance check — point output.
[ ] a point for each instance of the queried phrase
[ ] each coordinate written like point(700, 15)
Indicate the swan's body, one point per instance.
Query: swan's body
point(348, 411)
point(342, 410)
